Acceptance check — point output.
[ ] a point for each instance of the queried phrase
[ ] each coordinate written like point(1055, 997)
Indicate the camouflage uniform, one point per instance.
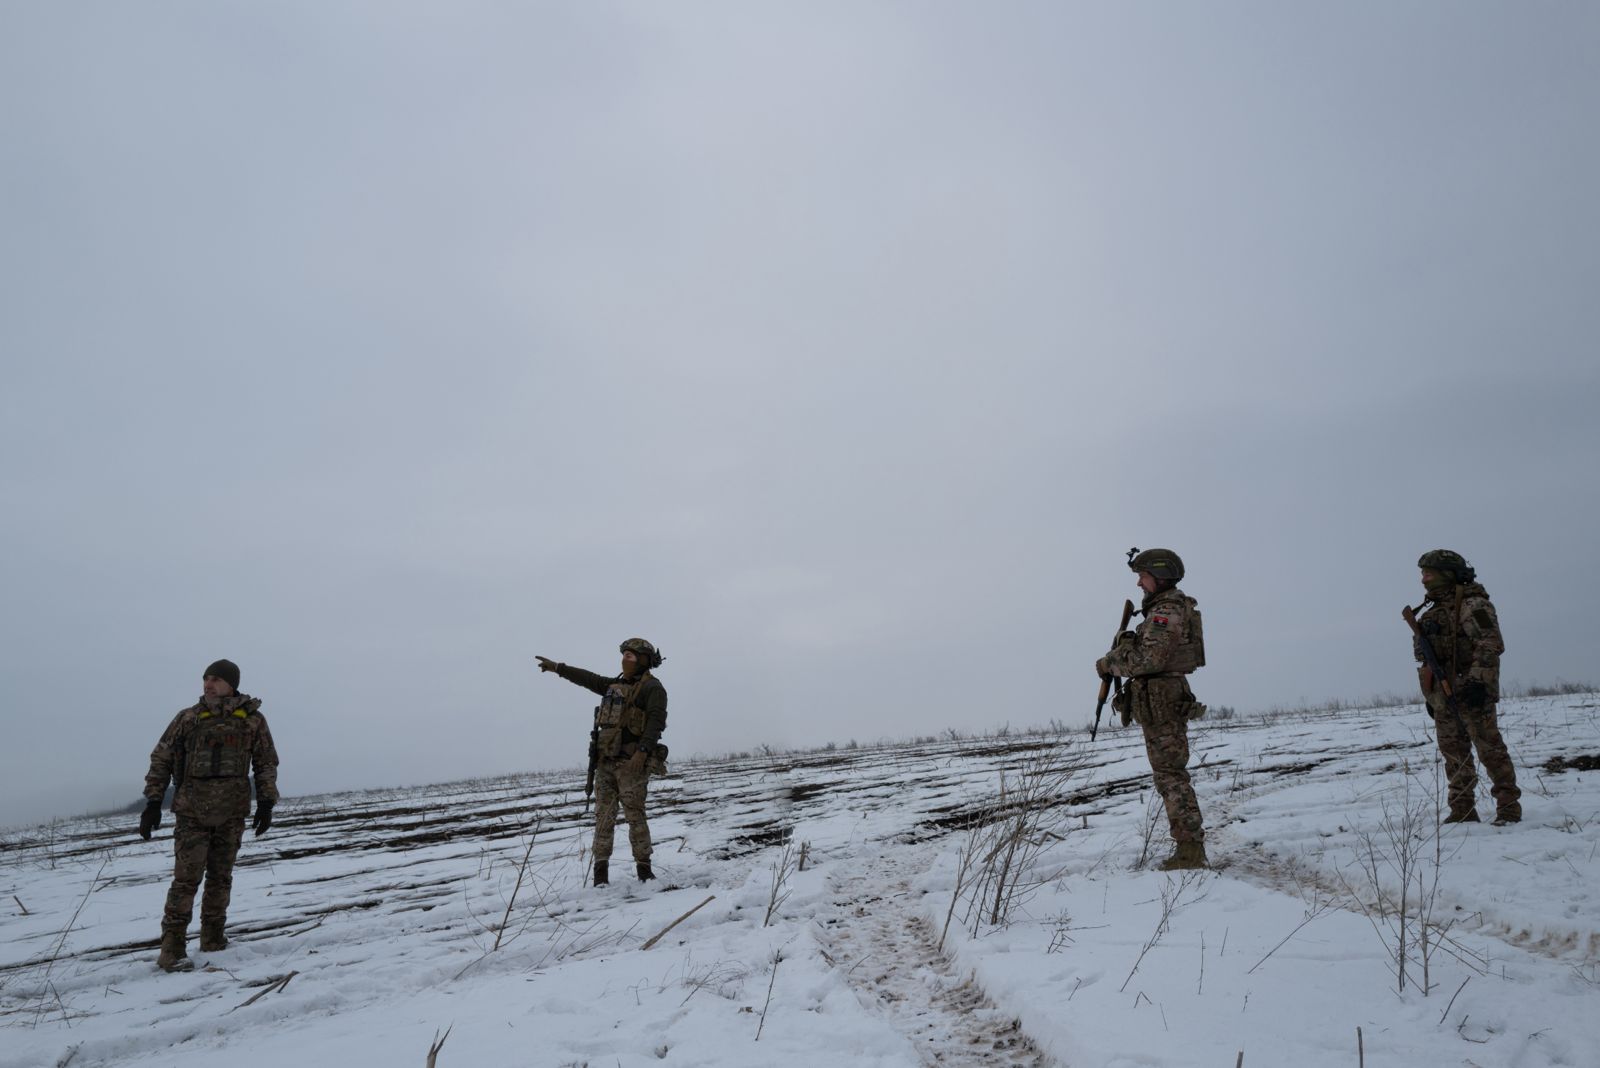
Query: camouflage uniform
point(209, 750)
point(1461, 625)
point(631, 716)
point(1165, 647)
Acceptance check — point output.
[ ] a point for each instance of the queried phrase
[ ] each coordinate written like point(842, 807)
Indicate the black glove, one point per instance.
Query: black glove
point(1475, 693)
point(546, 664)
point(263, 817)
point(149, 819)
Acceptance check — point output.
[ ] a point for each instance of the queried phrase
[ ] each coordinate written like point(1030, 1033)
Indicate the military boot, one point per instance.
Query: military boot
point(602, 872)
point(174, 957)
point(1187, 855)
point(1467, 816)
point(212, 939)
point(1508, 815)
point(645, 874)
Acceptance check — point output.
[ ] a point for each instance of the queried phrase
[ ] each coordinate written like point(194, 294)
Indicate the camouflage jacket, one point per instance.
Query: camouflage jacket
point(1465, 634)
point(1168, 640)
point(209, 752)
point(632, 713)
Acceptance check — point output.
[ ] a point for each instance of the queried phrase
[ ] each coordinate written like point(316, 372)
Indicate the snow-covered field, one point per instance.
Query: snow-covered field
point(383, 909)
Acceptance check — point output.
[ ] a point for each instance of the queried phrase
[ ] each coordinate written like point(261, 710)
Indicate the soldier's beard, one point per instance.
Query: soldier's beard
point(212, 702)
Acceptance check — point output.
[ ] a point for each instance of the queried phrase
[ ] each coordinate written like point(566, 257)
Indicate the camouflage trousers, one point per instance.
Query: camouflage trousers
point(1161, 707)
point(1482, 731)
point(201, 852)
point(614, 784)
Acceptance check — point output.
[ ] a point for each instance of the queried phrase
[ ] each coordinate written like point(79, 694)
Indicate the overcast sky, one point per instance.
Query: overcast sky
point(840, 349)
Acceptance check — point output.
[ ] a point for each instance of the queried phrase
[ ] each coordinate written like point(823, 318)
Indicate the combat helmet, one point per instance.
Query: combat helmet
point(1164, 564)
point(646, 652)
point(1448, 563)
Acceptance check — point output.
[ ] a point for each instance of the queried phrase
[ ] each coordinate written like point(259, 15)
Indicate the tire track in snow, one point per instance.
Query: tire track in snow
point(1273, 867)
point(872, 931)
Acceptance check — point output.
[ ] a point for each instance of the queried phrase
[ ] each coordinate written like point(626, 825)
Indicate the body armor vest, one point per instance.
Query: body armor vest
point(618, 719)
point(1445, 623)
point(1193, 649)
point(1189, 654)
point(219, 748)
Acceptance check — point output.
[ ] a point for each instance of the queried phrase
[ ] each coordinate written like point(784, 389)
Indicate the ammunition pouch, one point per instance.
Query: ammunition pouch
point(1122, 704)
point(1152, 699)
point(633, 720)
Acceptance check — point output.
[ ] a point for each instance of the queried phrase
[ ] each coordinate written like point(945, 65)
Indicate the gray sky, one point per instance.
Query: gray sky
point(841, 349)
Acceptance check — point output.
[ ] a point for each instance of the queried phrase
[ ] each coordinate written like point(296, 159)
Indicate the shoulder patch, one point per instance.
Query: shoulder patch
point(1482, 618)
point(1159, 621)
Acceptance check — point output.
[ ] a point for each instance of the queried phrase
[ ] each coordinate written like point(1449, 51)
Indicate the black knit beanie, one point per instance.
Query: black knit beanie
point(226, 670)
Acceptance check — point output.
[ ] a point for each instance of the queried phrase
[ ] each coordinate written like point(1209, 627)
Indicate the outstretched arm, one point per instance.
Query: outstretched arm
point(587, 679)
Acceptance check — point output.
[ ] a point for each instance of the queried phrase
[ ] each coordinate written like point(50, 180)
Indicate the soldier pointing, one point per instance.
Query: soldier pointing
point(627, 738)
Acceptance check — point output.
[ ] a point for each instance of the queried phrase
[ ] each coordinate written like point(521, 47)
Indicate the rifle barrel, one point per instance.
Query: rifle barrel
point(1107, 680)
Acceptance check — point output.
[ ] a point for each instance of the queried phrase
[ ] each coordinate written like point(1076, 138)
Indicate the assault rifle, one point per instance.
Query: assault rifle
point(594, 758)
point(1430, 660)
point(1108, 681)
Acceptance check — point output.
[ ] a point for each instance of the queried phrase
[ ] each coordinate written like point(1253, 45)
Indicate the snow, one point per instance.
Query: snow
point(385, 907)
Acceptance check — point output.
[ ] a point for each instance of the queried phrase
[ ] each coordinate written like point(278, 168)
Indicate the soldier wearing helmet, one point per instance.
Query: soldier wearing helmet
point(1168, 645)
point(627, 739)
point(1460, 623)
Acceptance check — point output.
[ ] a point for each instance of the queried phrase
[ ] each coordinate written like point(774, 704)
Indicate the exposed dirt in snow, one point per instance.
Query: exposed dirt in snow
point(874, 934)
point(1558, 765)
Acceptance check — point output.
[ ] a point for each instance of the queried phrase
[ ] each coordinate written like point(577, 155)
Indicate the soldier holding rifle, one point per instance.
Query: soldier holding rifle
point(625, 748)
point(1155, 658)
point(1457, 644)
